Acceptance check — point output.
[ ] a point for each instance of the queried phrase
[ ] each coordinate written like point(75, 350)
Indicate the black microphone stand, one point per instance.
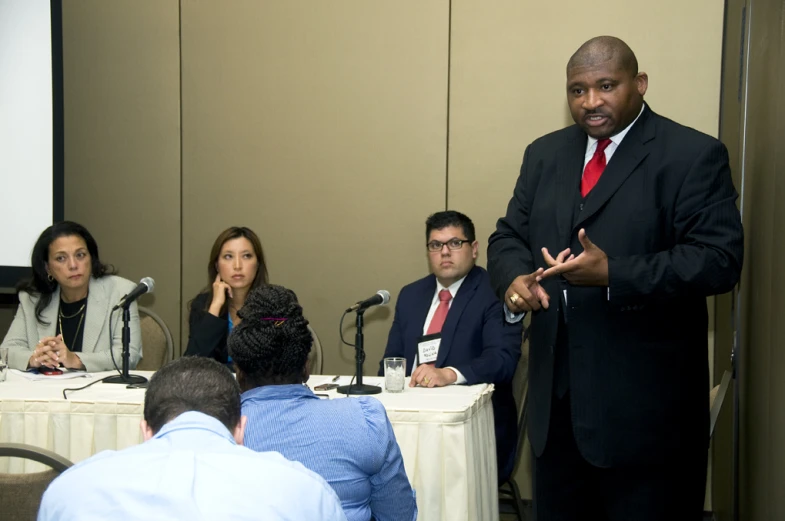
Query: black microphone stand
point(359, 356)
point(124, 377)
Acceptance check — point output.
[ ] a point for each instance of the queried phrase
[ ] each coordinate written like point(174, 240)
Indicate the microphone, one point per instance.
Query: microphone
point(381, 298)
point(146, 285)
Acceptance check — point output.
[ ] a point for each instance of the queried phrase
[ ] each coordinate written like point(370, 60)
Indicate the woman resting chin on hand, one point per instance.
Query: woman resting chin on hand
point(236, 266)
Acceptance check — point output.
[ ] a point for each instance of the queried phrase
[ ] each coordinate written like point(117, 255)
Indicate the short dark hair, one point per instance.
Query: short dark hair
point(39, 284)
point(272, 342)
point(192, 384)
point(447, 218)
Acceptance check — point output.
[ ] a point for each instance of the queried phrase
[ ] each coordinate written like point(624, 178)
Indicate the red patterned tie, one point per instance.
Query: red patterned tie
point(441, 312)
point(594, 168)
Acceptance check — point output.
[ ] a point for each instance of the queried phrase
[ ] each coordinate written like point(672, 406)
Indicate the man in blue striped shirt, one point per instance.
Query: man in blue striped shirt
point(191, 465)
point(349, 442)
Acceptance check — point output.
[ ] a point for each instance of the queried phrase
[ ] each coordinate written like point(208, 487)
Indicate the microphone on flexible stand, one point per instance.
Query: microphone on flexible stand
point(381, 298)
point(146, 285)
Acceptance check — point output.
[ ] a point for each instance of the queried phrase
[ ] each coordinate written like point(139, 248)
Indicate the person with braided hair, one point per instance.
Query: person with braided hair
point(349, 442)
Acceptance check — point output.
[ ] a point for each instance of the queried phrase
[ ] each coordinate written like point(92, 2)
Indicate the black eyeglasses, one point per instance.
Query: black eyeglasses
point(453, 244)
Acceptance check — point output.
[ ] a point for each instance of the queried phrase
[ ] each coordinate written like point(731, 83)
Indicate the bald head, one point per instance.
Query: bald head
point(604, 49)
point(604, 87)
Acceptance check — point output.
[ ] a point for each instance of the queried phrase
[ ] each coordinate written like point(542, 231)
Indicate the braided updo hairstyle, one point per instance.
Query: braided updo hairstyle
point(270, 346)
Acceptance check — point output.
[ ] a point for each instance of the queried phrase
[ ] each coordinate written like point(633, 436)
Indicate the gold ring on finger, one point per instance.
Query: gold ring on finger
point(514, 298)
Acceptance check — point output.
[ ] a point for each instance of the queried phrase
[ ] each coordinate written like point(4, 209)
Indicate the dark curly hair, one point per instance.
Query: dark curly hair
point(270, 346)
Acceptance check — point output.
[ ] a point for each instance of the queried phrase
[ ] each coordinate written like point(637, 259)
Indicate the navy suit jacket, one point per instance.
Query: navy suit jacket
point(476, 340)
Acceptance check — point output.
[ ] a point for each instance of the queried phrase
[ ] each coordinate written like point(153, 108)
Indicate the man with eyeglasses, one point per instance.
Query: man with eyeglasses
point(450, 327)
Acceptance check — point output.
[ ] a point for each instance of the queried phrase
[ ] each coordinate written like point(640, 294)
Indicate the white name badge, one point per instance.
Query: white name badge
point(428, 348)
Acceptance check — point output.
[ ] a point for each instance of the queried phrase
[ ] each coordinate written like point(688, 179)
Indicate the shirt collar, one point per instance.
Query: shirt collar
point(617, 138)
point(453, 288)
point(277, 392)
point(193, 420)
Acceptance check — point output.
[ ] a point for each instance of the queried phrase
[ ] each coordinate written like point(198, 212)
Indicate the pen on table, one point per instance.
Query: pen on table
point(335, 379)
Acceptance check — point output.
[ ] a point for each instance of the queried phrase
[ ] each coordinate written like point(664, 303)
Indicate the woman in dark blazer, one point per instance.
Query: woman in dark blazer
point(236, 266)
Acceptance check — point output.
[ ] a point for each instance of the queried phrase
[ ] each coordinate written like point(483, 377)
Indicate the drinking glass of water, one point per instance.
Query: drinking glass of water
point(394, 374)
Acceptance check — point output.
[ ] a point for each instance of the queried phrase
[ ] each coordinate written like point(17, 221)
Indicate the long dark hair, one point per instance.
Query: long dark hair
point(235, 232)
point(39, 284)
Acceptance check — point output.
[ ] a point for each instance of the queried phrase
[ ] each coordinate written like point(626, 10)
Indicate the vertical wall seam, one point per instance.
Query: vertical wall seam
point(447, 144)
point(181, 300)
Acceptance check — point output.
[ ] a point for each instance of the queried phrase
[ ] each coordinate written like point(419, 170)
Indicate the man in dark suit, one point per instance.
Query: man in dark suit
point(618, 392)
point(450, 327)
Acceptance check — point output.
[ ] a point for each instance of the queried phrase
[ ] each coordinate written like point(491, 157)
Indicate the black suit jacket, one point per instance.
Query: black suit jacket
point(475, 340)
point(207, 333)
point(664, 212)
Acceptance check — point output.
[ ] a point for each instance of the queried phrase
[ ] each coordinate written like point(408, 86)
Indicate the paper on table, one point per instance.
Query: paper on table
point(65, 376)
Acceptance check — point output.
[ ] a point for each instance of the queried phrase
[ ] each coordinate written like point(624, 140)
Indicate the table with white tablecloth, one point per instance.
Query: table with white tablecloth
point(446, 434)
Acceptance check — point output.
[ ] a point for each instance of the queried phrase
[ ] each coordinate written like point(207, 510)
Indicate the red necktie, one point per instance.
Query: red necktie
point(594, 168)
point(441, 312)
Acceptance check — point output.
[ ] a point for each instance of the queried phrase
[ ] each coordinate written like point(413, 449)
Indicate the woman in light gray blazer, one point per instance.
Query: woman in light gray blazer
point(64, 310)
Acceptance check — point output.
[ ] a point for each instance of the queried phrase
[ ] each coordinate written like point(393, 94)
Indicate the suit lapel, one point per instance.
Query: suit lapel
point(421, 304)
point(462, 298)
point(49, 315)
point(568, 177)
point(95, 318)
point(627, 157)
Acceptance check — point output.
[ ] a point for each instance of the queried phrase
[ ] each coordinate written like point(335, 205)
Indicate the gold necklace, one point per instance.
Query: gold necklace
point(78, 326)
point(72, 316)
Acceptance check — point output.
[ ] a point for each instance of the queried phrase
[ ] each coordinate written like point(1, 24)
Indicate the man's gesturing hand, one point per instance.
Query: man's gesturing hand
point(526, 294)
point(590, 268)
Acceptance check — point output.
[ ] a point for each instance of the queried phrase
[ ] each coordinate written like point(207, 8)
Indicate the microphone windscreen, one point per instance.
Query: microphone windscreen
point(149, 282)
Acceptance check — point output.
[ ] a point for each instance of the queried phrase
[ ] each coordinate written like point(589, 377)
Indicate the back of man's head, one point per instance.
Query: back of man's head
point(192, 384)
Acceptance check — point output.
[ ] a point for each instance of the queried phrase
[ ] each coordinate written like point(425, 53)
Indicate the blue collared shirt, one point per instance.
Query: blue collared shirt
point(192, 469)
point(348, 441)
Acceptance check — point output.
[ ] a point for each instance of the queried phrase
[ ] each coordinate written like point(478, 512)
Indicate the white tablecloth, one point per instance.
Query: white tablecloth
point(446, 434)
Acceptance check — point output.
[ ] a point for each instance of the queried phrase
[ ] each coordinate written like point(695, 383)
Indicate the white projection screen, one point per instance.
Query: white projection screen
point(31, 129)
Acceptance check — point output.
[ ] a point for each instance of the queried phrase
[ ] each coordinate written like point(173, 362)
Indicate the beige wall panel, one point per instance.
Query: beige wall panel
point(122, 138)
point(322, 126)
point(507, 85)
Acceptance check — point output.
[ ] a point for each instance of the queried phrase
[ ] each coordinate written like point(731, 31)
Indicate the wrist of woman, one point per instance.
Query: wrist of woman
point(215, 309)
point(73, 361)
